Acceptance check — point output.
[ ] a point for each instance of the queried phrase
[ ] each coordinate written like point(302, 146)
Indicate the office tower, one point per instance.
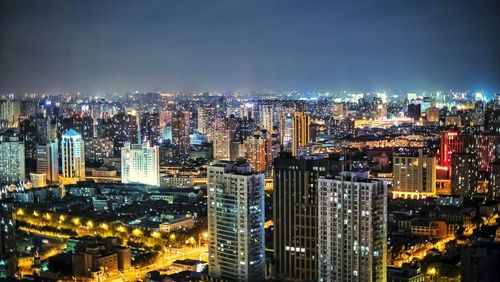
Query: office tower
point(47, 160)
point(150, 128)
point(494, 182)
point(352, 230)
point(12, 158)
point(97, 149)
point(450, 143)
point(10, 111)
point(73, 156)
point(8, 260)
point(28, 135)
point(266, 117)
point(432, 115)
point(286, 131)
point(235, 222)
point(221, 144)
point(414, 174)
point(413, 111)
point(339, 111)
point(180, 134)
point(295, 212)
point(141, 164)
point(125, 129)
point(259, 151)
point(464, 174)
point(301, 135)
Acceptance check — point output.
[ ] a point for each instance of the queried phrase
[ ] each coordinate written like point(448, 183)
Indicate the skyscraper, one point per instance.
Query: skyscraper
point(286, 131)
point(235, 222)
point(12, 161)
point(295, 209)
point(180, 134)
point(414, 175)
point(352, 231)
point(266, 117)
point(259, 151)
point(301, 135)
point(141, 164)
point(47, 160)
point(464, 175)
point(73, 156)
point(221, 144)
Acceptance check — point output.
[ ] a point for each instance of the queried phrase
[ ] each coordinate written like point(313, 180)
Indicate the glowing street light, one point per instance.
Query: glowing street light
point(137, 232)
point(62, 218)
point(76, 221)
point(103, 226)
point(155, 234)
point(90, 224)
point(121, 229)
point(20, 212)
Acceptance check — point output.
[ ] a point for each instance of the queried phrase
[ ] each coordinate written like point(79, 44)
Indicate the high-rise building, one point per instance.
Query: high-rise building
point(47, 160)
point(235, 222)
point(125, 129)
point(295, 214)
point(10, 111)
point(494, 182)
point(286, 131)
point(97, 149)
point(12, 159)
point(8, 260)
point(413, 111)
point(450, 143)
point(73, 156)
point(339, 111)
point(266, 117)
point(180, 134)
point(259, 151)
point(464, 174)
point(485, 147)
point(150, 128)
point(301, 135)
point(221, 144)
point(352, 230)
point(141, 164)
point(414, 175)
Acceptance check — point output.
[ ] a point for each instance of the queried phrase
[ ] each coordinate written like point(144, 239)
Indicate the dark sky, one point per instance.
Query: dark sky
point(117, 46)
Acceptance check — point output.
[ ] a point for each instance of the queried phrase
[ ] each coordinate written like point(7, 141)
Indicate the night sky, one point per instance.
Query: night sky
point(117, 46)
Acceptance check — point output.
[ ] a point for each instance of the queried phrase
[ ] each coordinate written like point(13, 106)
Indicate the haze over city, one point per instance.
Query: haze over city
point(108, 47)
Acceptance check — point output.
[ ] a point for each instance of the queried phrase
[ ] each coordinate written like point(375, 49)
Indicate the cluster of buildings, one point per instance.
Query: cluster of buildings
point(352, 176)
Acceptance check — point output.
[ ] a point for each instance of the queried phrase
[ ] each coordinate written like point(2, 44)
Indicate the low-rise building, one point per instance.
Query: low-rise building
point(177, 224)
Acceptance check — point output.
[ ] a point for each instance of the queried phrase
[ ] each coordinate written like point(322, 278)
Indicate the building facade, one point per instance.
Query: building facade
point(140, 164)
point(295, 214)
point(73, 155)
point(235, 222)
point(352, 230)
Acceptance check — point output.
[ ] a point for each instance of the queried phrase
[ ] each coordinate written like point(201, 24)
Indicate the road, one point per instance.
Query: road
point(164, 261)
